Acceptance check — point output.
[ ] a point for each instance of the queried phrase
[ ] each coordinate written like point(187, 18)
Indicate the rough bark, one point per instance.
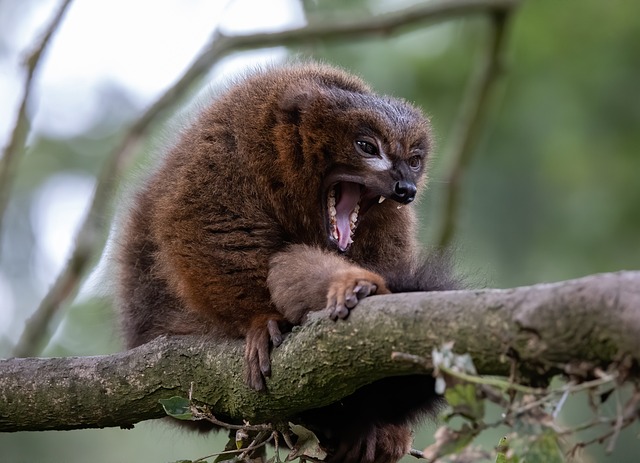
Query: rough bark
point(593, 319)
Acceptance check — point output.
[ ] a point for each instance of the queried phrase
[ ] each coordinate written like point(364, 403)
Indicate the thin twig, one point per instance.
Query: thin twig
point(602, 437)
point(255, 444)
point(90, 238)
point(287, 440)
point(470, 120)
point(630, 412)
point(207, 415)
point(570, 388)
point(276, 446)
point(243, 450)
point(16, 145)
point(496, 382)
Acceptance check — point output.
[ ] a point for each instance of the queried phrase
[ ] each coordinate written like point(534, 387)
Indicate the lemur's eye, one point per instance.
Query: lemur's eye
point(415, 162)
point(367, 148)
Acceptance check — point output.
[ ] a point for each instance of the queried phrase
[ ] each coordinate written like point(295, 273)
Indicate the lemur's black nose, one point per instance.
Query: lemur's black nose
point(404, 192)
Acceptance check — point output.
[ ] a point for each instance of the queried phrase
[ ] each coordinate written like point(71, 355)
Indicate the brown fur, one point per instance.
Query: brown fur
point(230, 236)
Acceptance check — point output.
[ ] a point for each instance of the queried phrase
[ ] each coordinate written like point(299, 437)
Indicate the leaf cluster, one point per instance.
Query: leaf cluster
point(530, 413)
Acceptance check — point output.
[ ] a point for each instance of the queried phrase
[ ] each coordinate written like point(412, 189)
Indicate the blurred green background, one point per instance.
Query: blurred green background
point(553, 191)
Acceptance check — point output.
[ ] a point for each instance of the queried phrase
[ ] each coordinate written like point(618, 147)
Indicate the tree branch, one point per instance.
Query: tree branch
point(594, 319)
point(16, 144)
point(90, 238)
point(470, 120)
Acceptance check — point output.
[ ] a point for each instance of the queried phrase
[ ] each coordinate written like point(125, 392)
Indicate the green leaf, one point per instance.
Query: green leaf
point(307, 445)
point(465, 402)
point(177, 407)
point(503, 448)
point(242, 437)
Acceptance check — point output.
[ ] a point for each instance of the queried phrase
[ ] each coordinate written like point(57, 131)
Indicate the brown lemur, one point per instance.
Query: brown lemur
point(271, 205)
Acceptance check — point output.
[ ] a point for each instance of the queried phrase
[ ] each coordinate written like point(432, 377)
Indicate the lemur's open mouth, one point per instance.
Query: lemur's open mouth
point(346, 204)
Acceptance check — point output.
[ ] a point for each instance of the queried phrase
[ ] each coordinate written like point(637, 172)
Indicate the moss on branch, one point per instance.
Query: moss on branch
point(593, 319)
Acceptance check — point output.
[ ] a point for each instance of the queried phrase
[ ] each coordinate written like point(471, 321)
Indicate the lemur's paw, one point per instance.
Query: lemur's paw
point(348, 287)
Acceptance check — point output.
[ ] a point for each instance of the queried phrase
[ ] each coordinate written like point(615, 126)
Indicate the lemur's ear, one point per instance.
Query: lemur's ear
point(300, 98)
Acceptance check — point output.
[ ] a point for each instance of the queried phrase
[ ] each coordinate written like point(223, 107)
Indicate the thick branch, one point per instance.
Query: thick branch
point(592, 319)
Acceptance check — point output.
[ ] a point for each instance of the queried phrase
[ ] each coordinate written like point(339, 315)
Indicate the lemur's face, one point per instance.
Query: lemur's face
point(379, 152)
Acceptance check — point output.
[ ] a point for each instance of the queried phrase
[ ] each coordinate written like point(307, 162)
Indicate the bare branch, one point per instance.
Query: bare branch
point(383, 25)
point(90, 237)
point(470, 120)
point(20, 131)
point(589, 320)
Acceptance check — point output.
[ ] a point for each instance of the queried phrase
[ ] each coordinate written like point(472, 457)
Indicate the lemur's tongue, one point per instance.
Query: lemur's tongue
point(349, 198)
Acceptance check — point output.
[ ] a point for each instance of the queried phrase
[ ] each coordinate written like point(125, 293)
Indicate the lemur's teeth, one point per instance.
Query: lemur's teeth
point(400, 206)
point(382, 198)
